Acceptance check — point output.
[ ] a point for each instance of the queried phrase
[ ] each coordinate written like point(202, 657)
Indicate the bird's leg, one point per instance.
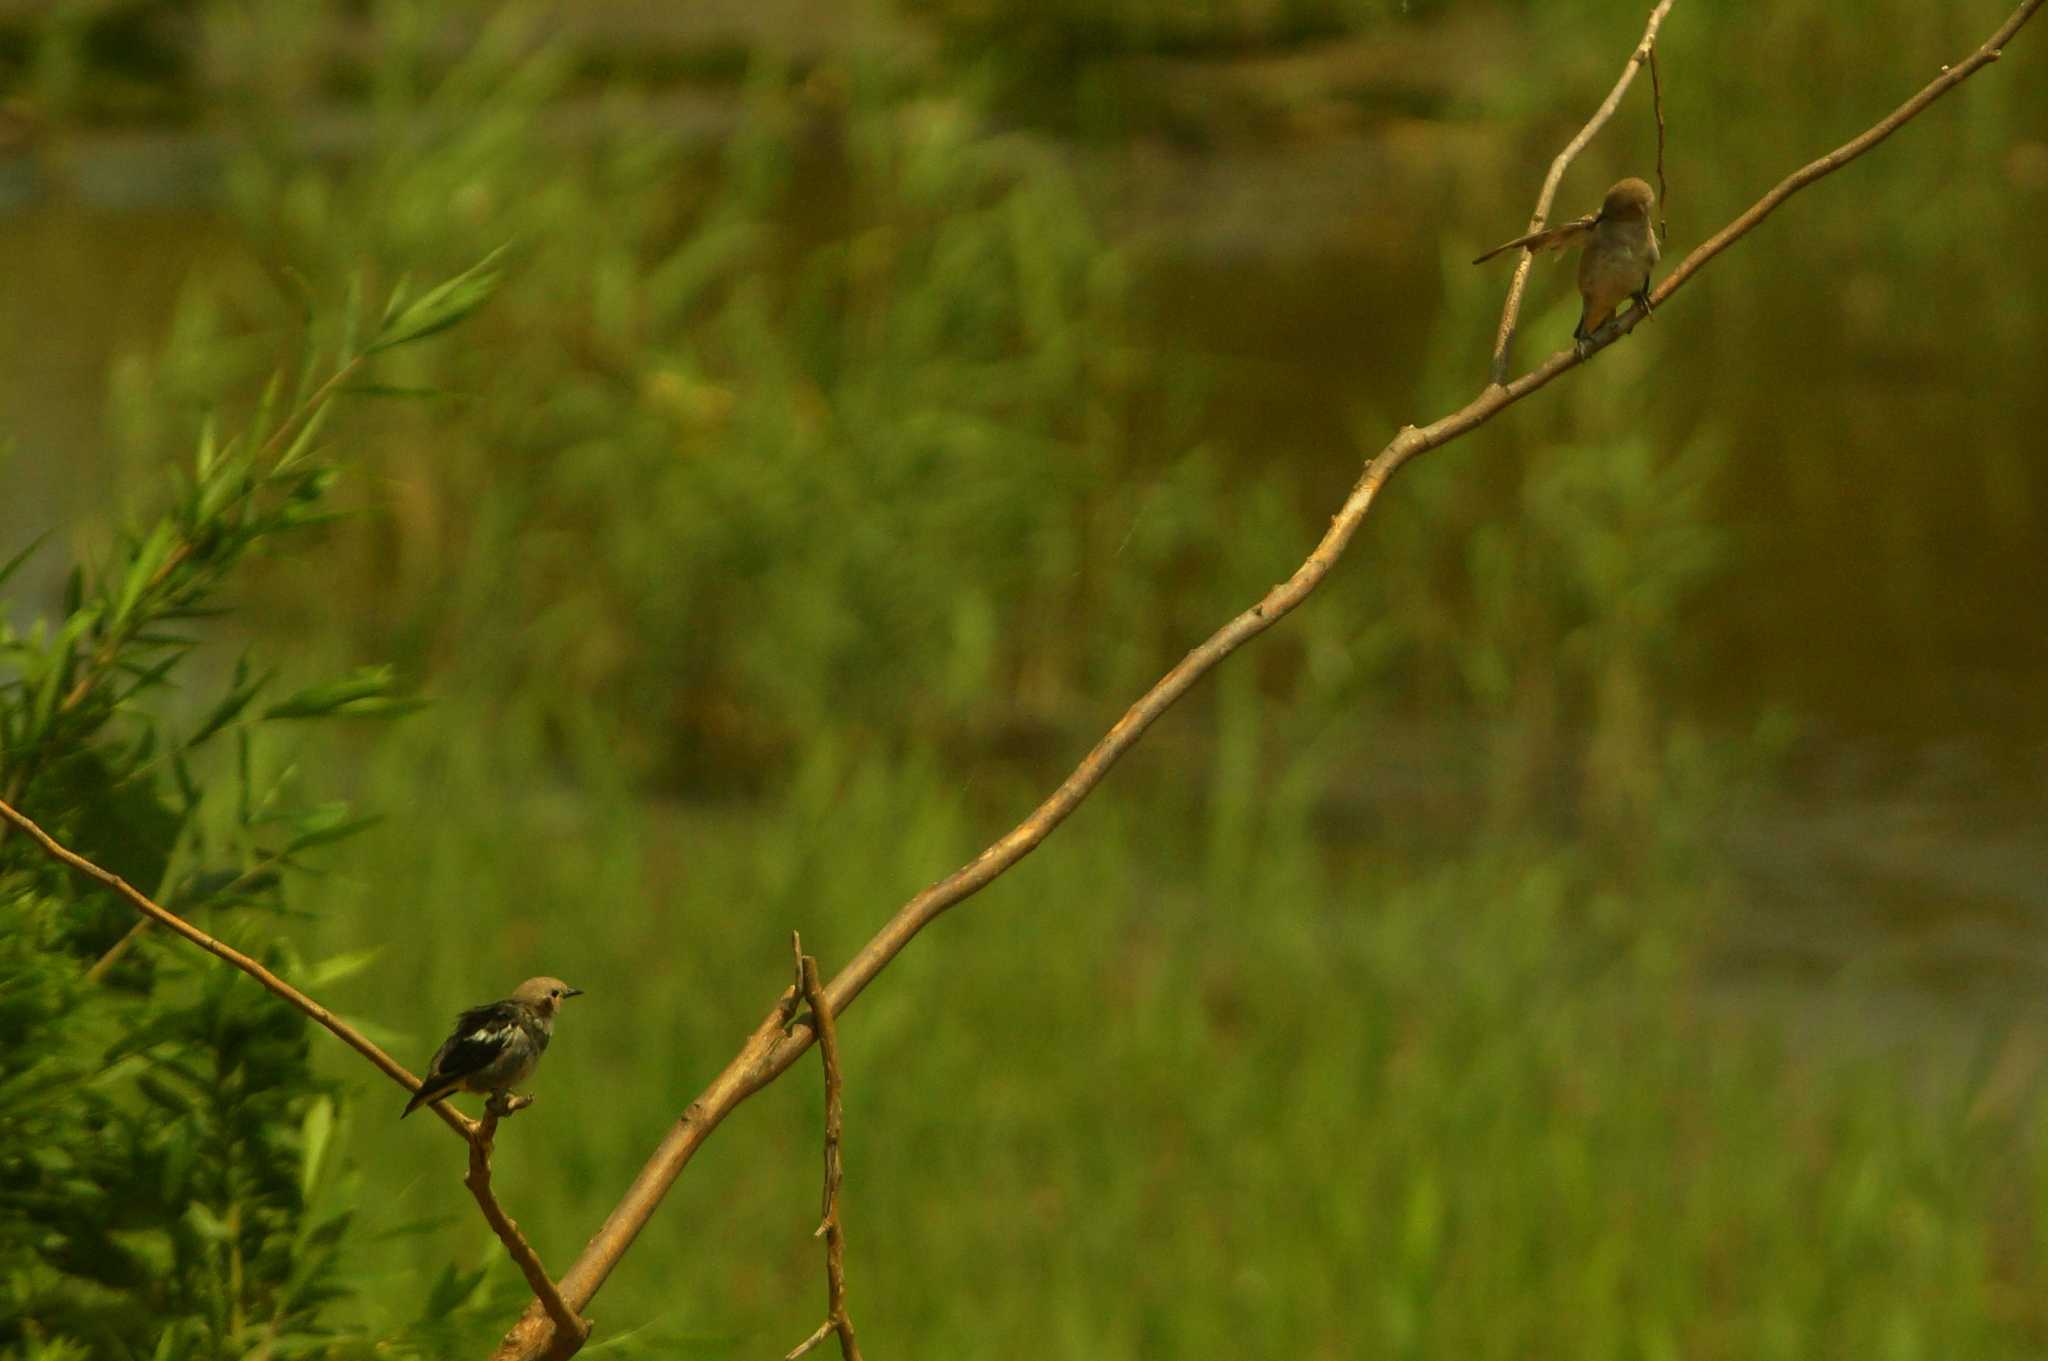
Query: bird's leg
point(504, 1101)
point(1642, 297)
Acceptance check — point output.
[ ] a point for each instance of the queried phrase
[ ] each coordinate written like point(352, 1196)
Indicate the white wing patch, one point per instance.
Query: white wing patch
point(498, 1034)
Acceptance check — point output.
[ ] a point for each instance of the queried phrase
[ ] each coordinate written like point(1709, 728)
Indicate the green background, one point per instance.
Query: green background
point(1604, 922)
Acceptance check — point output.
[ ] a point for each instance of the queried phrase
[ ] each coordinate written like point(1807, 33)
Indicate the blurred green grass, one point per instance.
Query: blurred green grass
point(805, 504)
point(1142, 1098)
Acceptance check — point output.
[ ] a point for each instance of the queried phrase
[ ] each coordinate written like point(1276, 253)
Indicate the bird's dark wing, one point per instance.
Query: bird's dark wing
point(481, 1035)
point(1549, 238)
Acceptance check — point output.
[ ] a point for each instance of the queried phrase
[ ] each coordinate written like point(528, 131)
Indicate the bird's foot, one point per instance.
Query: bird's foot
point(506, 1102)
point(1643, 301)
point(1582, 346)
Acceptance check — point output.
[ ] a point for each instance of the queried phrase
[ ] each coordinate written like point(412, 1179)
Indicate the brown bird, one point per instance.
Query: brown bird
point(1620, 251)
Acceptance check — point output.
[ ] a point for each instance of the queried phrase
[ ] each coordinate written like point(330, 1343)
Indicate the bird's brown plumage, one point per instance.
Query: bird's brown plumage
point(1620, 250)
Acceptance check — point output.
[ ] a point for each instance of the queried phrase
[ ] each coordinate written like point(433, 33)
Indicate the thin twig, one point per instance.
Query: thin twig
point(1657, 107)
point(141, 902)
point(823, 1331)
point(836, 1317)
point(1511, 311)
point(114, 952)
point(478, 1181)
point(769, 1051)
point(107, 961)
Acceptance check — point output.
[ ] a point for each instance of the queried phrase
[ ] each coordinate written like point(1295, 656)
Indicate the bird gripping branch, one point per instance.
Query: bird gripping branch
point(497, 1046)
point(1620, 251)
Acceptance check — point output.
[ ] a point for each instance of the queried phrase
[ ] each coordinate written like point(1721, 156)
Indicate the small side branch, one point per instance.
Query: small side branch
point(142, 903)
point(836, 1318)
point(478, 1180)
point(1663, 192)
point(1512, 311)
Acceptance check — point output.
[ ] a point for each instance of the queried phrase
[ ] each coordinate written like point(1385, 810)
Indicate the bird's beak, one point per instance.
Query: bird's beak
point(573, 992)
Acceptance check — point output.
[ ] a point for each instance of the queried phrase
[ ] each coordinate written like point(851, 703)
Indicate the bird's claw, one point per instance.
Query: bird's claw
point(504, 1103)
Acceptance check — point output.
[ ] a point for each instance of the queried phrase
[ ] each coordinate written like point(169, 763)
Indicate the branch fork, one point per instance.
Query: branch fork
point(836, 1317)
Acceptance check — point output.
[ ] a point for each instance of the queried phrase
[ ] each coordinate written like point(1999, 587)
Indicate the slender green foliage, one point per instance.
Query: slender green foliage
point(166, 1188)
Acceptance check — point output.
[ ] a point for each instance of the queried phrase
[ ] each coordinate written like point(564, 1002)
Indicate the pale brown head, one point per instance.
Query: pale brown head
point(1631, 198)
point(544, 995)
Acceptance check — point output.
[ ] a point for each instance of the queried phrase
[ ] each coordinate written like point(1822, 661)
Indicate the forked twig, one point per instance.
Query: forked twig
point(836, 1318)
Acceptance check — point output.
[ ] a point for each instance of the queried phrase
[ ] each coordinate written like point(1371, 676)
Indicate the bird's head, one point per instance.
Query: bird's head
point(1632, 198)
point(544, 995)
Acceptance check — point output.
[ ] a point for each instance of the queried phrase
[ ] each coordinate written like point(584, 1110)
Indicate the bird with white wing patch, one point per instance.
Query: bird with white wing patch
point(496, 1046)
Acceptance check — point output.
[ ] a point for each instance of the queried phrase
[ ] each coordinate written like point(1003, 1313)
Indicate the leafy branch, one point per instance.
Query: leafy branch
point(164, 1151)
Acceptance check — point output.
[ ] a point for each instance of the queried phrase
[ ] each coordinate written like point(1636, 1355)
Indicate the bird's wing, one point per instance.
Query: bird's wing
point(481, 1035)
point(1549, 238)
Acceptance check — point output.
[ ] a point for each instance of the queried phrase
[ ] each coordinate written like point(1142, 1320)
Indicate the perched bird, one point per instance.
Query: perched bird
point(1620, 251)
point(495, 1046)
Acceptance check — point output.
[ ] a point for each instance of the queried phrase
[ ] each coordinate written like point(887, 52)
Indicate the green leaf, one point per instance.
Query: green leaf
point(335, 968)
point(222, 887)
point(302, 443)
point(451, 1289)
point(14, 563)
point(208, 446)
point(440, 307)
point(181, 1155)
point(364, 693)
point(147, 677)
point(399, 293)
point(351, 320)
point(174, 1102)
point(316, 1132)
point(266, 405)
point(142, 569)
point(243, 689)
point(206, 1223)
point(321, 831)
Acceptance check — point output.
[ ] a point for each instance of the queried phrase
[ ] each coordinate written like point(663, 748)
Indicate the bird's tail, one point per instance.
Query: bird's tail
point(428, 1093)
point(1549, 238)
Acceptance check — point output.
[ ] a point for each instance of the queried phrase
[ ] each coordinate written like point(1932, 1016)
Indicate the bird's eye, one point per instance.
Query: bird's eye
point(554, 992)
